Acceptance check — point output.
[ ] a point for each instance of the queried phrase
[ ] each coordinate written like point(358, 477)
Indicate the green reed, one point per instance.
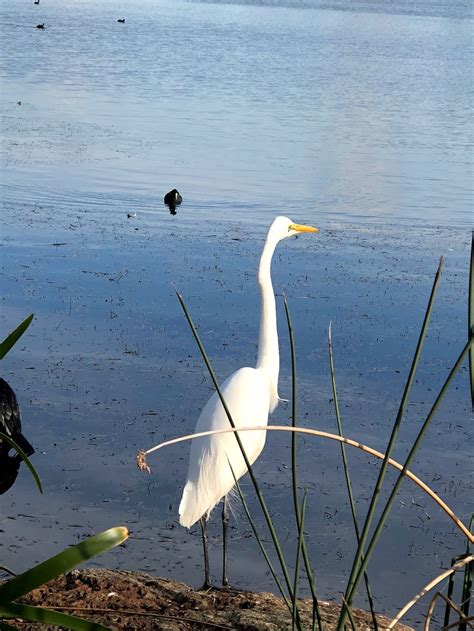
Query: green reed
point(355, 574)
point(346, 471)
point(316, 616)
point(266, 513)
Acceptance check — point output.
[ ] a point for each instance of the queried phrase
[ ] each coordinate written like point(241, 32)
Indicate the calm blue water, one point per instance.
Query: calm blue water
point(353, 117)
point(247, 108)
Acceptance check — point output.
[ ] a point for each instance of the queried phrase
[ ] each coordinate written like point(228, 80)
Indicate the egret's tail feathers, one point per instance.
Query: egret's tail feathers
point(191, 508)
point(187, 507)
point(197, 502)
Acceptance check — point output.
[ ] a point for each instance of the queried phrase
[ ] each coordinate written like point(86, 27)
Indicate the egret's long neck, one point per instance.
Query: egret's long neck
point(268, 351)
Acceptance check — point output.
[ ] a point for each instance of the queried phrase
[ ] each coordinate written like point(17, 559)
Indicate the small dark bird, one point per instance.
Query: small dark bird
point(10, 421)
point(121, 20)
point(18, 102)
point(173, 199)
point(36, 2)
point(40, 25)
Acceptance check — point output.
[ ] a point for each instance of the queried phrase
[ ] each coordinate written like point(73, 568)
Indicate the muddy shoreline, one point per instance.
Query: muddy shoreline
point(135, 600)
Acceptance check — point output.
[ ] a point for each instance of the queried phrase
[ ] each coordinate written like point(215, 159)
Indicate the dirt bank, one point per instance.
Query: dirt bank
point(130, 600)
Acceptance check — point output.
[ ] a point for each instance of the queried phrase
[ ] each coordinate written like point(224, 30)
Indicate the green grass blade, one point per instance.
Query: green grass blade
point(14, 336)
point(294, 459)
point(7, 571)
point(449, 595)
point(470, 319)
point(351, 617)
point(258, 492)
point(346, 471)
point(24, 457)
point(49, 616)
point(411, 455)
point(294, 476)
point(297, 560)
point(260, 542)
point(468, 579)
point(466, 592)
point(350, 591)
point(60, 563)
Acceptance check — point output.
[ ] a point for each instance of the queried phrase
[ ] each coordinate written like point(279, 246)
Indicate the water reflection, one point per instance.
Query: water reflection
point(10, 424)
point(173, 199)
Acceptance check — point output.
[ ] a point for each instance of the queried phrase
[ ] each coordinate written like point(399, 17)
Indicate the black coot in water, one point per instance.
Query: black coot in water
point(10, 424)
point(40, 25)
point(10, 421)
point(121, 20)
point(173, 199)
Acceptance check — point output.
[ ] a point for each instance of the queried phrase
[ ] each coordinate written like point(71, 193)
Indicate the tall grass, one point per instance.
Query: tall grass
point(366, 546)
point(263, 505)
point(316, 616)
point(347, 476)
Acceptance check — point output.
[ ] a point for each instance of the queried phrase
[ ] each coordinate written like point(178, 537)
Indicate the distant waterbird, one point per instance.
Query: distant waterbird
point(36, 2)
point(173, 199)
point(131, 215)
point(250, 395)
point(121, 20)
point(40, 25)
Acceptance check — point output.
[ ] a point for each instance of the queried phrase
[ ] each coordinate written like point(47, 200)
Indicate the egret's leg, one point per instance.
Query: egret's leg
point(225, 524)
point(207, 574)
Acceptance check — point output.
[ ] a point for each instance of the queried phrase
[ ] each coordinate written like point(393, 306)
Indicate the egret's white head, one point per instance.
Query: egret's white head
point(282, 227)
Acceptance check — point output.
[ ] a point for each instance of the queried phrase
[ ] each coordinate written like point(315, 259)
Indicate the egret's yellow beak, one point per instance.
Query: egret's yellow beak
point(300, 228)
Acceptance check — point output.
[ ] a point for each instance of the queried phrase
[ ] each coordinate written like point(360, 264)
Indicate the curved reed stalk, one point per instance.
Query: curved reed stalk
point(456, 624)
point(449, 602)
point(427, 588)
point(143, 466)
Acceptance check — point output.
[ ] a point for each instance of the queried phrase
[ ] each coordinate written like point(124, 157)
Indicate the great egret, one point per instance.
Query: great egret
point(251, 394)
point(173, 199)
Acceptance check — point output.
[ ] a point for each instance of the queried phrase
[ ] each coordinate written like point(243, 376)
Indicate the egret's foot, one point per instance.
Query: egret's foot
point(206, 586)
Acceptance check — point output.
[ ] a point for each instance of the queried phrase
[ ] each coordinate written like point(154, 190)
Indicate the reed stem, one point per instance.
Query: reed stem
point(316, 614)
point(350, 591)
point(346, 472)
point(411, 455)
point(258, 492)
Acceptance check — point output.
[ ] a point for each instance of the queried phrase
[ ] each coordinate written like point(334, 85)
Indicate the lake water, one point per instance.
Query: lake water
point(352, 117)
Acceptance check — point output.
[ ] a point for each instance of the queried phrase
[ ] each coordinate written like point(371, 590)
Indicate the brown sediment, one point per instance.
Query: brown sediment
point(133, 600)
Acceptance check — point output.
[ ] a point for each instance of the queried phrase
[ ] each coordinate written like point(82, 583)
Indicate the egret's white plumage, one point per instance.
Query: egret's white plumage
point(251, 394)
point(209, 475)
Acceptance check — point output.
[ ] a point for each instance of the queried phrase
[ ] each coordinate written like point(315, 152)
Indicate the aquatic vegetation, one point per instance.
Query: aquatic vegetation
point(364, 550)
